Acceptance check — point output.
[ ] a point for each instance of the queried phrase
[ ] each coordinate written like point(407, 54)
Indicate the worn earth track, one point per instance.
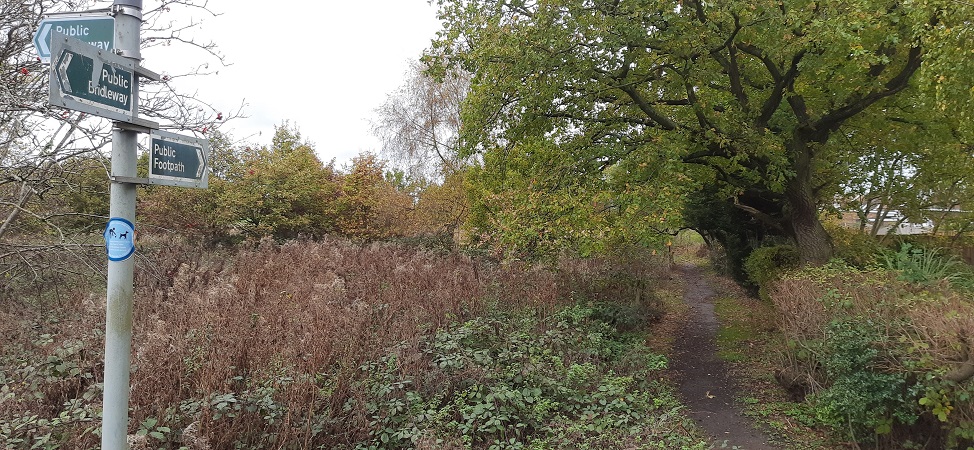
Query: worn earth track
point(705, 384)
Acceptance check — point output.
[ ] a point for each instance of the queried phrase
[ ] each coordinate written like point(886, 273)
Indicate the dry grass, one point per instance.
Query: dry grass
point(313, 312)
point(283, 331)
point(937, 319)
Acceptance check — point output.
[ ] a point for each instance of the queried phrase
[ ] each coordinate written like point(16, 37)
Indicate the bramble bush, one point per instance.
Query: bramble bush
point(514, 380)
point(887, 361)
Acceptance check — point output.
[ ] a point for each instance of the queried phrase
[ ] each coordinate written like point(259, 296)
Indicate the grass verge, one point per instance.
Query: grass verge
point(749, 340)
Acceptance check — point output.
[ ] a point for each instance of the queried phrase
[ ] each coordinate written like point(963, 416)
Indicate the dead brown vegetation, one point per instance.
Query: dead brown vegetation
point(276, 335)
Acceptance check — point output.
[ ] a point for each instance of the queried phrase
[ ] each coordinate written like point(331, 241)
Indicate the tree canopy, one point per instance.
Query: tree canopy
point(613, 101)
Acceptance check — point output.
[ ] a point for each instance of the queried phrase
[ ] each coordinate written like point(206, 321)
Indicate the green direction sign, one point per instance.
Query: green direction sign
point(86, 79)
point(96, 29)
point(176, 160)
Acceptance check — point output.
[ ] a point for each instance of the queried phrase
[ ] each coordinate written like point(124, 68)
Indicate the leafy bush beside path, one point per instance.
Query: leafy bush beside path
point(883, 360)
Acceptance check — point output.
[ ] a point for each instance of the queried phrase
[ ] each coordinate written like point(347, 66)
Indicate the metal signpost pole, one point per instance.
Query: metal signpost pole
point(118, 318)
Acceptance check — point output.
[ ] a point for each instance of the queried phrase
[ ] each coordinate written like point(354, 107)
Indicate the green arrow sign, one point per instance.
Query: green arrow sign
point(86, 79)
point(177, 160)
point(97, 29)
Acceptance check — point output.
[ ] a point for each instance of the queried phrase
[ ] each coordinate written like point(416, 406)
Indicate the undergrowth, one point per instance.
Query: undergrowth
point(882, 357)
point(335, 345)
point(510, 381)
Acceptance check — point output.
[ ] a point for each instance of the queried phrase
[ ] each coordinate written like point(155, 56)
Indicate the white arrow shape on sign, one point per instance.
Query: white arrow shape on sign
point(43, 49)
point(62, 72)
point(202, 158)
point(96, 75)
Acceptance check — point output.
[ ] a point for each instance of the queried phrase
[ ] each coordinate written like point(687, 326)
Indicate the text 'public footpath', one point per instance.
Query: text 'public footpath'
point(166, 151)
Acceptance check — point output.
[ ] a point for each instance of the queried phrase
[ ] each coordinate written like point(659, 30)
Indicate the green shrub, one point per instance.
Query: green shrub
point(877, 352)
point(862, 399)
point(514, 380)
point(48, 401)
point(857, 249)
point(767, 264)
point(918, 265)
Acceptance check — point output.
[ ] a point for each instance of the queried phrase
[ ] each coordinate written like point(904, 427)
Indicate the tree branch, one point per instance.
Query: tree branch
point(854, 106)
point(665, 122)
point(763, 217)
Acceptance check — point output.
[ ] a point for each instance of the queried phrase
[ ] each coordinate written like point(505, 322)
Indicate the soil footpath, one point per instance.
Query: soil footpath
point(705, 384)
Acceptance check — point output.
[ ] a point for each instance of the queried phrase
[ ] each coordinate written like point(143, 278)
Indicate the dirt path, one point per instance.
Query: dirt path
point(705, 385)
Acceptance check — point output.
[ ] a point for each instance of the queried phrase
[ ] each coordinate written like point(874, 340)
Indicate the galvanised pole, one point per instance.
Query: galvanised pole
point(121, 289)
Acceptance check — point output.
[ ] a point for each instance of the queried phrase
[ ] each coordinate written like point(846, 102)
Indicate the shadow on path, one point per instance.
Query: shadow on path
point(705, 384)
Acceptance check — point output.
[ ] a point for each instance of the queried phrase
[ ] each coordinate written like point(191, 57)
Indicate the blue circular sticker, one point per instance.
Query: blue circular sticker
point(119, 239)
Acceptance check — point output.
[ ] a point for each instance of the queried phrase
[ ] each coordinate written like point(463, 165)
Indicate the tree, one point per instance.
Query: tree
point(419, 124)
point(441, 208)
point(747, 97)
point(423, 207)
point(42, 147)
point(369, 206)
point(282, 191)
point(913, 163)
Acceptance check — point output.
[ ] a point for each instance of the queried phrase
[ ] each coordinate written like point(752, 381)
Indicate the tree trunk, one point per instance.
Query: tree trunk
point(814, 243)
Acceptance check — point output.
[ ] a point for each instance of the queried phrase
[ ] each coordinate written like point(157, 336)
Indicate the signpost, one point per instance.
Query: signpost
point(176, 160)
point(96, 29)
point(96, 70)
point(86, 79)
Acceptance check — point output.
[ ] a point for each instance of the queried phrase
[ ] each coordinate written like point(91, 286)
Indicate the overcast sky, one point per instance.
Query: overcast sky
point(325, 66)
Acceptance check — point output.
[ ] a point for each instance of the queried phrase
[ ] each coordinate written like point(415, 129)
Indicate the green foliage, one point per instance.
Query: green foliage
point(363, 192)
point(50, 400)
point(879, 353)
point(150, 427)
point(442, 208)
point(942, 399)
point(859, 250)
point(766, 264)
point(722, 223)
point(757, 98)
point(918, 168)
point(862, 400)
point(509, 381)
point(917, 265)
point(282, 191)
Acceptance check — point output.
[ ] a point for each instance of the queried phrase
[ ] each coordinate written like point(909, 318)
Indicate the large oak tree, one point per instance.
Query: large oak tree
point(746, 97)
